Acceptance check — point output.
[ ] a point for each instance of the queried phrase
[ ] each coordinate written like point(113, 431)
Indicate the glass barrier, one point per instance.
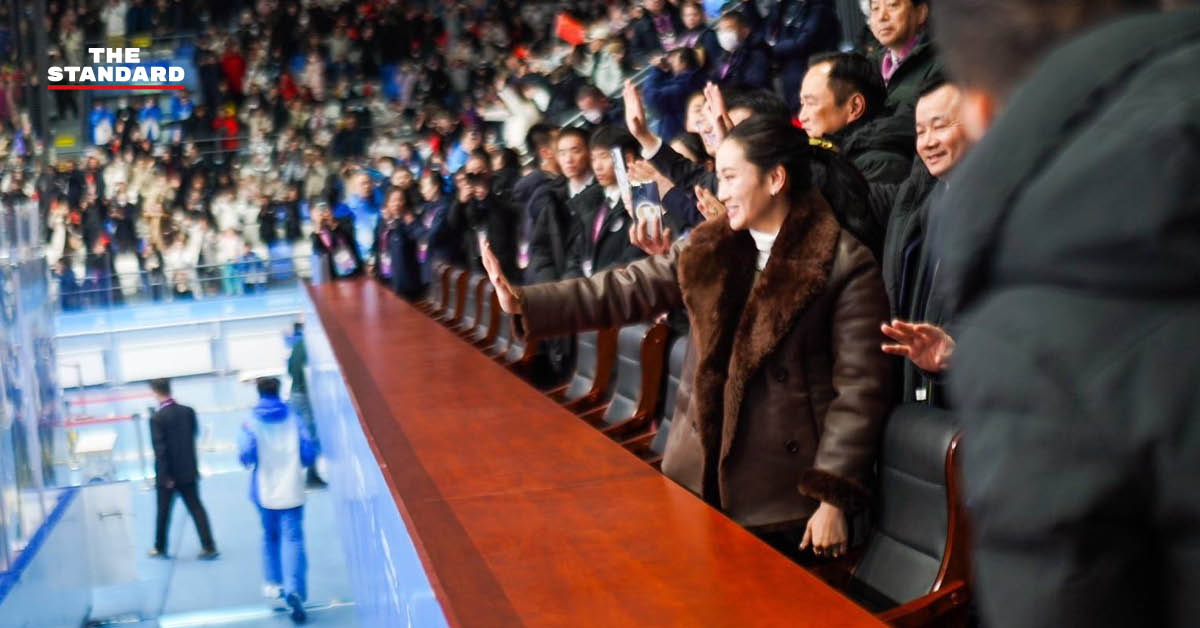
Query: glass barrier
point(30, 397)
point(100, 289)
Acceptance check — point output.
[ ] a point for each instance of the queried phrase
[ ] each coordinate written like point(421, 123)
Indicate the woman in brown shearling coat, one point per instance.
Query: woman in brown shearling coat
point(784, 387)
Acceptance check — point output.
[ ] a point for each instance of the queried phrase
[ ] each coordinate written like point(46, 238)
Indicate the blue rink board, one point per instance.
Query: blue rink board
point(389, 584)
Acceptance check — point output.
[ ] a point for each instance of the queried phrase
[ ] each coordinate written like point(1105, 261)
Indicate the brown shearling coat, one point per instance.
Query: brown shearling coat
point(784, 388)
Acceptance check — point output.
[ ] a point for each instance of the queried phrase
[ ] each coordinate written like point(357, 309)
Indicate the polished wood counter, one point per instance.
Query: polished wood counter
point(523, 514)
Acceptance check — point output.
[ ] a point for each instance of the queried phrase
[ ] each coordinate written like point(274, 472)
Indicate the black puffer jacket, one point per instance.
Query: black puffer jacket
point(1069, 245)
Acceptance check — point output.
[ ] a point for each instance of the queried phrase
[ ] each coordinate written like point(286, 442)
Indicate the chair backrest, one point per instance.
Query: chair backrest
point(457, 295)
point(503, 334)
point(639, 367)
point(471, 305)
point(918, 542)
point(591, 347)
point(438, 285)
point(658, 444)
point(489, 311)
point(675, 357)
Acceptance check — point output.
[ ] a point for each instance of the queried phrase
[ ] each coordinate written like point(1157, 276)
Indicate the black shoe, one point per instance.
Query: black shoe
point(209, 554)
point(156, 553)
point(298, 614)
point(313, 480)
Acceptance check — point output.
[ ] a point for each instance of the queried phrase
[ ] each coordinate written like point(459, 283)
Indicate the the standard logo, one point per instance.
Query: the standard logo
point(115, 68)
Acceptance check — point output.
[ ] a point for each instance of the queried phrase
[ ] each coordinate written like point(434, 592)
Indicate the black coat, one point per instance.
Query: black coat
point(749, 65)
point(342, 235)
point(499, 220)
point(398, 242)
point(646, 39)
point(905, 85)
point(173, 431)
point(1069, 252)
point(611, 249)
point(552, 220)
point(882, 148)
point(796, 30)
point(436, 231)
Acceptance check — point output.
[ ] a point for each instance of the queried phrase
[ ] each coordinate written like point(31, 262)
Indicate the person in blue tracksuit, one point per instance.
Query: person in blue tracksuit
point(279, 447)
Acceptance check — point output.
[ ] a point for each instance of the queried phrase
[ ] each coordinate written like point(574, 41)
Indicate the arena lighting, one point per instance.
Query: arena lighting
point(115, 75)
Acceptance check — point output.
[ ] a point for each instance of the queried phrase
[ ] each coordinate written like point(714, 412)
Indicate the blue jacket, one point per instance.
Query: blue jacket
point(748, 65)
point(667, 96)
point(796, 31)
point(270, 414)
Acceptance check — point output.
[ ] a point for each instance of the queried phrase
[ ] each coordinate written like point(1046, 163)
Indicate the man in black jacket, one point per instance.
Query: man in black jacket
point(550, 210)
point(599, 233)
point(485, 211)
point(842, 100)
point(906, 56)
point(173, 431)
point(1075, 275)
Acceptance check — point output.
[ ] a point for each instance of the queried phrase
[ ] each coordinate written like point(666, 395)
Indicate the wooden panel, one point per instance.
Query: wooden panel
point(523, 514)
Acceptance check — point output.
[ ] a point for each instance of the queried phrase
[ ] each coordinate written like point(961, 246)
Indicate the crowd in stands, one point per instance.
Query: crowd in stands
point(798, 162)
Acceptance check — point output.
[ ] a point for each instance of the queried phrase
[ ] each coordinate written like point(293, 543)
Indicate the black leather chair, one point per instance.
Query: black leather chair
point(471, 307)
point(436, 300)
point(651, 445)
point(914, 569)
point(457, 297)
point(488, 325)
point(518, 354)
point(590, 385)
point(639, 376)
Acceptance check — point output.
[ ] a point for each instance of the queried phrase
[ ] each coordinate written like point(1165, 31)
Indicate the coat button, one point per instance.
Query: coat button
point(792, 446)
point(781, 374)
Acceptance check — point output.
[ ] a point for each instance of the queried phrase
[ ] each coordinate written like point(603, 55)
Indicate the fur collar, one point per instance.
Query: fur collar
point(738, 322)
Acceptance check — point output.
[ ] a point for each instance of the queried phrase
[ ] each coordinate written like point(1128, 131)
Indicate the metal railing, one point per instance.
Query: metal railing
point(192, 283)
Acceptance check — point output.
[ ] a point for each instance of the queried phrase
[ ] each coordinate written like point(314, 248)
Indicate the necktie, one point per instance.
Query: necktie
point(600, 215)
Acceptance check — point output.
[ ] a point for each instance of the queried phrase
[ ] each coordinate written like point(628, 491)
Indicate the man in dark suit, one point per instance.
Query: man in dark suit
point(599, 232)
point(173, 430)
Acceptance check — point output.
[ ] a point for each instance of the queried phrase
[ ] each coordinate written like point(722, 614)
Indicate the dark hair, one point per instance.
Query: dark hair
point(688, 56)
point(540, 135)
point(589, 90)
point(161, 386)
point(993, 45)
point(481, 155)
point(572, 131)
point(267, 386)
point(770, 141)
point(403, 196)
point(737, 17)
point(935, 81)
point(760, 102)
point(692, 142)
point(851, 72)
point(509, 159)
point(610, 137)
point(297, 328)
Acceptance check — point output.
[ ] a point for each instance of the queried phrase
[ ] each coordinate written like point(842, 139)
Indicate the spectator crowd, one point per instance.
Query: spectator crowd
point(806, 156)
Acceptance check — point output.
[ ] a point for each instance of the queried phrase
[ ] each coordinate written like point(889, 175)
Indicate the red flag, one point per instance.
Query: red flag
point(568, 29)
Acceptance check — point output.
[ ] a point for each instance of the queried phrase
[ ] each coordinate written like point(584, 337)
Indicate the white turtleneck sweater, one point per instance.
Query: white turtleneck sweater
point(763, 241)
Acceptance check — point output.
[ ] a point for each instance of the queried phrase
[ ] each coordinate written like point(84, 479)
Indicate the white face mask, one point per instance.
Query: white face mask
point(593, 115)
point(728, 40)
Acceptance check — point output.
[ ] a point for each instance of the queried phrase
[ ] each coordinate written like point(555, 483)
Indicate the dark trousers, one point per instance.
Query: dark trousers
point(191, 499)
